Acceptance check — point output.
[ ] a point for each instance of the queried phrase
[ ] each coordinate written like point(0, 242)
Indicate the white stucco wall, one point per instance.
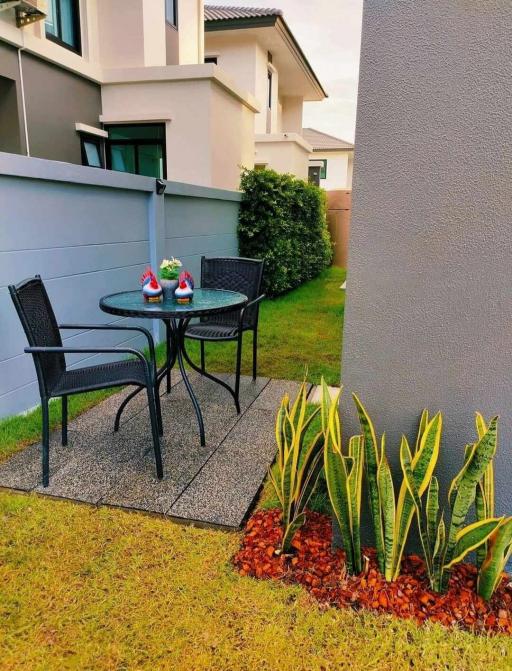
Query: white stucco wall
point(191, 31)
point(339, 169)
point(246, 62)
point(283, 155)
point(209, 131)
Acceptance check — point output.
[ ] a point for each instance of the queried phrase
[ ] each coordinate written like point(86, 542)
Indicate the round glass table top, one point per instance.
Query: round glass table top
point(204, 302)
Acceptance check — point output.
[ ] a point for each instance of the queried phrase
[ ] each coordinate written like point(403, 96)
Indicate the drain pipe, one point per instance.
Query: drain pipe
point(23, 103)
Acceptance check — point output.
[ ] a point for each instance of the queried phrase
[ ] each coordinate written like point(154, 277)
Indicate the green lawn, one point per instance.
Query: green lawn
point(301, 329)
point(100, 589)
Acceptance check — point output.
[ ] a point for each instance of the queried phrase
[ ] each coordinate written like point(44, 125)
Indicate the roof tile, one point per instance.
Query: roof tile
point(221, 13)
point(319, 140)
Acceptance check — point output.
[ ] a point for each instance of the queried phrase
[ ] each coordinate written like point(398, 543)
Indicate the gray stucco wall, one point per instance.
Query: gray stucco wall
point(56, 99)
point(91, 232)
point(12, 137)
point(428, 318)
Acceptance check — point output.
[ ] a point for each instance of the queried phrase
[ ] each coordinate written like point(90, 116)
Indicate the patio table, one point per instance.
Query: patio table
point(176, 317)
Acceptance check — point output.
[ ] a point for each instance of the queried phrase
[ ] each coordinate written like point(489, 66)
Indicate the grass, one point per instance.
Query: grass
point(301, 329)
point(98, 588)
point(88, 588)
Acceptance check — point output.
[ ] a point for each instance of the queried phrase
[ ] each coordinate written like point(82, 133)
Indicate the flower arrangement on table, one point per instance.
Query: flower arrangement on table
point(169, 276)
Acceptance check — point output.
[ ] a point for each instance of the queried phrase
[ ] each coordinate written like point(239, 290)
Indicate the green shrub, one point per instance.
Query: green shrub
point(283, 221)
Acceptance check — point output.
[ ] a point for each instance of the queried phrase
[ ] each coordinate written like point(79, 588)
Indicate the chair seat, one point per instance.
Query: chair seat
point(113, 374)
point(211, 331)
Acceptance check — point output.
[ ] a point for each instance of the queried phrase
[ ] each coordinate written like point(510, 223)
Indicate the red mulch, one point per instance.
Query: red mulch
point(319, 568)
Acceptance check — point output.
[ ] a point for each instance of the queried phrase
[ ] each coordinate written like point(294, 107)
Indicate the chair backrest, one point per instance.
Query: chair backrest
point(234, 274)
point(40, 325)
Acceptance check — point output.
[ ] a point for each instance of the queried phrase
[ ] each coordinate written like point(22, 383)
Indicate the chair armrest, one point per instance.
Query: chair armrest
point(256, 301)
point(109, 327)
point(88, 350)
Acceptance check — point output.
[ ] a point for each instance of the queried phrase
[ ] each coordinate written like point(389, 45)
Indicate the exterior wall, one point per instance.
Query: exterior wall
point(283, 154)
point(12, 129)
point(191, 31)
point(246, 62)
point(429, 307)
point(89, 233)
point(51, 124)
point(291, 115)
point(209, 131)
point(131, 34)
point(339, 174)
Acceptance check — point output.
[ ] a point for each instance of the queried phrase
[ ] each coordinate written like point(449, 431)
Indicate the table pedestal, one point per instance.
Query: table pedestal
point(176, 351)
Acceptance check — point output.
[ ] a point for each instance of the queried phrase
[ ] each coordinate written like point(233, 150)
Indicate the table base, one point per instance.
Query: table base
point(176, 351)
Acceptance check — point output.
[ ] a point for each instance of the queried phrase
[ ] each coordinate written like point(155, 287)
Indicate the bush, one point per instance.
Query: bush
point(283, 220)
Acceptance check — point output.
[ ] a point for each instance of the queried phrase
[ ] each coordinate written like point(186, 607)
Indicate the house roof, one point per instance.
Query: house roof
point(217, 13)
point(324, 142)
point(231, 17)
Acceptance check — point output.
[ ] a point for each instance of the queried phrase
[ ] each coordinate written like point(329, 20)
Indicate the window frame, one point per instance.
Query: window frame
point(57, 39)
point(136, 144)
point(99, 142)
point(323, 170)
point(175, 12)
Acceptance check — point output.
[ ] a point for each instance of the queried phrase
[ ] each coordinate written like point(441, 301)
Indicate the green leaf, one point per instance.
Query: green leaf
point(499, 549)
point(387, 499)
point(471, 537)
point(474, 469)
point(371, 460)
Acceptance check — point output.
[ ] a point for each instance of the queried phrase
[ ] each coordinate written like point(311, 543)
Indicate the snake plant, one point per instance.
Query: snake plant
point(493, 555)
point(344, 478)
point(443, 547)
point(297, 467)
point(392, 520)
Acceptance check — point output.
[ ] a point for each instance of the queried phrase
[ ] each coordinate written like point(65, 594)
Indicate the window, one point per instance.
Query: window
point(92, 151)
point(323, 169)
point(139, 149)
point(270, 89)
point(171, 12)
point(62, 23)
point(210, 59)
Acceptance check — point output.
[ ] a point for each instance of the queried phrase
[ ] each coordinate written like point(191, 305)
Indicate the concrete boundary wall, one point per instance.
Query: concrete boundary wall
point(90, 232)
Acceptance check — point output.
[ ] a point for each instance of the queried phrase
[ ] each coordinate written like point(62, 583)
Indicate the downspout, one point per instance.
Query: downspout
point(23, 103)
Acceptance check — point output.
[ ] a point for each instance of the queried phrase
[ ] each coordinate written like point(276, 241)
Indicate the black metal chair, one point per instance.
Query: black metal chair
point(234, 274)
point(55, 380)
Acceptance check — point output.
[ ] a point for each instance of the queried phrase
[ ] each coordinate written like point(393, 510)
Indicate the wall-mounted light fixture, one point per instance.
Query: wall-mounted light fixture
point(26, 12)
point(161, 186)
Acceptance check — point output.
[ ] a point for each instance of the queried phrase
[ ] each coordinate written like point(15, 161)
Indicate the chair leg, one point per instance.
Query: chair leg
point(202, 356)
point(238, 367)
point(255, 354)
point(154, 431)
point(159, 412)
point(64, 421)
point(46, 442)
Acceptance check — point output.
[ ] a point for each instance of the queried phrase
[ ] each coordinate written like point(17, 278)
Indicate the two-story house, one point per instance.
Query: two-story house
point(123, 84)
point(257, 49)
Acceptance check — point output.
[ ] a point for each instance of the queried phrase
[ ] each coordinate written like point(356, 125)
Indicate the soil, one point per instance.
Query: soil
point(321, 569)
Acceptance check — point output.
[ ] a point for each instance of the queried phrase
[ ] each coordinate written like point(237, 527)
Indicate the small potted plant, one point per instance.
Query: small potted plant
point(169, 276)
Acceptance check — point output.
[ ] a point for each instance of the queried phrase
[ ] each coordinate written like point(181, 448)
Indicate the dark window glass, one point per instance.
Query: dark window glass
point(62, 24)
point(269, 89)
point(92, 151)
point(210, 59)
point(138, 149)
point(323, 169)
point(171, 12)
point(138, 132)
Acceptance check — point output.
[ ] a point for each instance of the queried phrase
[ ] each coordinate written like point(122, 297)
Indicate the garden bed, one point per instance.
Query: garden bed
point(321, 569)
